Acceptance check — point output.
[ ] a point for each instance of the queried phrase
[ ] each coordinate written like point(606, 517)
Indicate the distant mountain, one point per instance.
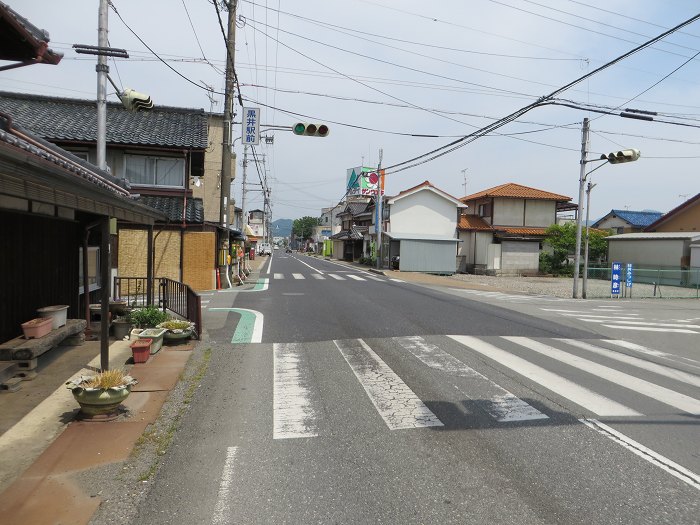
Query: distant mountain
point(282, 228)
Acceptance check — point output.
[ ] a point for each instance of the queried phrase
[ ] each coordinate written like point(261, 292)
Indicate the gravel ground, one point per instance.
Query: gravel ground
point(563, 286)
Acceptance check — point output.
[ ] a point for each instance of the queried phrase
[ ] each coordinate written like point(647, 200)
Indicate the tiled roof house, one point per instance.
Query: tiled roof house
point(626, 221)
point(158, 154)
point(503, 227)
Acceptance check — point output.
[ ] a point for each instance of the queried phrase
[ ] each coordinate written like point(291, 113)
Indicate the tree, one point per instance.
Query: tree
point(304, 227)
point(562, 239)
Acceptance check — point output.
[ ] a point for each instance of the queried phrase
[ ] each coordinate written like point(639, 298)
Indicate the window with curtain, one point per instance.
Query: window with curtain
point(143, 170)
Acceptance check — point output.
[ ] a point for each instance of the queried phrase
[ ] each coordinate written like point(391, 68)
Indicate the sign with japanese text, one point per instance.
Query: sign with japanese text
point(615, 278)
point(363, 182)
point(251, 126)
point(628, 275)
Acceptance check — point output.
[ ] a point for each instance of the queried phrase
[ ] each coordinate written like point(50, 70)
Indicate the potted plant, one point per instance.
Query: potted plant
point(141, 350)
point(177, 329)
point(101, 394)
point(122, 326)
point(148, 316)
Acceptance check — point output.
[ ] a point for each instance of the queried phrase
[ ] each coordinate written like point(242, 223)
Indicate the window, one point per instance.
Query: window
point(142, 170)
point(93, 269)
point(485, 210)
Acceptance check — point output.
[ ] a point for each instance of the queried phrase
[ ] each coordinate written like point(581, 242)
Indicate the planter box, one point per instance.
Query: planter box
point(57, 313)
point(141, 349)
point(121, 329)
point(38, 327)
point(156, 334)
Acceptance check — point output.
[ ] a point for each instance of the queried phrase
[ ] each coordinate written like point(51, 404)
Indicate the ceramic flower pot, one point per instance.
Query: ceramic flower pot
point(96, 401)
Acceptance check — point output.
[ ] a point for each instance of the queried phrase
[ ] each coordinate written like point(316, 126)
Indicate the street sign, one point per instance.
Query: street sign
point(615, 278)
point(628, 275)
point(251, 126)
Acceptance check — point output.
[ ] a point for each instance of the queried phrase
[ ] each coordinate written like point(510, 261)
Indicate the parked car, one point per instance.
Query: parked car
point(264, 248)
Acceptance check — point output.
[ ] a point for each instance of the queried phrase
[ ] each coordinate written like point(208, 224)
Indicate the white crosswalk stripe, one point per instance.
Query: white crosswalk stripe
point(614, 317)
point(501, 404)
point(665, 395)
point(394, 400)
point(336, 277)
point(355, 277)
point(580, 395)
point(299, 410)
point(278, 276)
point(298, 276)
point(318, 276)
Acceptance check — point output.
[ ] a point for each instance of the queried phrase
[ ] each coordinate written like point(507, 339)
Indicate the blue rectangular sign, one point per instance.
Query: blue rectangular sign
point(615, 278)
point(628, 276)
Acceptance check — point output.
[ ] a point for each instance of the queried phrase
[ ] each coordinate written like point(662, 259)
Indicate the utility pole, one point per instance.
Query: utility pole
point(581, 182)
point(244, 190)
point(378, 208)
point(102, 69)
point(226, 155)
point(585, 250)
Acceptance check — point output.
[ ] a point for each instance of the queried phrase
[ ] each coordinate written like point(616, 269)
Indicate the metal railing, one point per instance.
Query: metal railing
point(665, 282)
point(167, 294)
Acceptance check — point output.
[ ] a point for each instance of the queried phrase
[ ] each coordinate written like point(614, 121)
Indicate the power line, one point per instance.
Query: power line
point(432, 155)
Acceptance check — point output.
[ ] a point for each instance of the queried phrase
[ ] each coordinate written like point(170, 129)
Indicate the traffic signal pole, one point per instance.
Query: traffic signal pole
point(581, 188)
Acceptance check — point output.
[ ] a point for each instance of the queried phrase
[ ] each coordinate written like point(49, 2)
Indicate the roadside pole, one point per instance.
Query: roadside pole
point(581, 183)
point(378, 209)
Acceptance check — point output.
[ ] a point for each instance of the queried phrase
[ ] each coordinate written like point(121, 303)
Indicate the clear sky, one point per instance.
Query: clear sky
point(379, 71)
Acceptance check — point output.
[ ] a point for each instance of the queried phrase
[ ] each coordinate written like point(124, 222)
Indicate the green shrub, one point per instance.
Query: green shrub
point(148, 317)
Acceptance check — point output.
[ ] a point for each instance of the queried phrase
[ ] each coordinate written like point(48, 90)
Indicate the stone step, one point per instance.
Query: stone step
point(11, 385)
point(7, 371)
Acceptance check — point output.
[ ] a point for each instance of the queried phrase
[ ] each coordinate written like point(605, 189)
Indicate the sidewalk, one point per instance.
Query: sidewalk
point(46, 454)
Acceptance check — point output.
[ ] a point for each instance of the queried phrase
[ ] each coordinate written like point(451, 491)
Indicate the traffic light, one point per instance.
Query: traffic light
point(135, 101)
point(310, 130)
point(626, 155)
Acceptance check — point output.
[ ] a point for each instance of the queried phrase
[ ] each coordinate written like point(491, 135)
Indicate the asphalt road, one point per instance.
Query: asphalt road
point(369, 400)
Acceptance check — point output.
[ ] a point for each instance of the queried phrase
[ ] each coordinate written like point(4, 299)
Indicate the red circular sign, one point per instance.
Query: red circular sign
point(373, 178)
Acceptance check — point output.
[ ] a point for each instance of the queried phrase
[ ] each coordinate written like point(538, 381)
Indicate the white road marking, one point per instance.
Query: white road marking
point(660, 393)
point(607, 317)
point(337, 277)
point(314, 269)
point(676, 470)
point(663, 325)
point(294, 413)
point(355, 277)
point(399, 407)
point(649, 351)
point(298, 276)
point(652, 329)
point(636, 361)
point(222, 511)
point(375, 278)
point(580, 395)
point(318, 276)
point(278, 276)
point(397, 280)
point(502, 405)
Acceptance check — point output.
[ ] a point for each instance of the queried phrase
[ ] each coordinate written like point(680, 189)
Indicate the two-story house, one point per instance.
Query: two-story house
point(167, 160)
point(626, 221)
point(503, 228)
point(421, 230)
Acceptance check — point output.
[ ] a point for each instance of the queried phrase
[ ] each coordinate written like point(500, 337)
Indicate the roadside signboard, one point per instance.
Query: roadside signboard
point(615, 278)
point(628, 275)
point(251, 126)
point(362, 182)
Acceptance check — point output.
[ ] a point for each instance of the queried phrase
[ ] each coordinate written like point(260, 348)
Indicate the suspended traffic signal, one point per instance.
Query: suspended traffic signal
point(625, 155)
point(310, 130)
point(135, 101)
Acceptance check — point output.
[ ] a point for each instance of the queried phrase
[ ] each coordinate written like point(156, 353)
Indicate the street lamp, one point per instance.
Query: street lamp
point(619, 157)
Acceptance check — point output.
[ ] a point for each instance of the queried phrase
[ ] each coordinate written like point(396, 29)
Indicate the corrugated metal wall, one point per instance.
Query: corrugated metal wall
point(38, 267)
point(428, 256)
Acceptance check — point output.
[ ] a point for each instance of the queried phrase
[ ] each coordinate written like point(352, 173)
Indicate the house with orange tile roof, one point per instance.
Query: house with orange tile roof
point(503, 228)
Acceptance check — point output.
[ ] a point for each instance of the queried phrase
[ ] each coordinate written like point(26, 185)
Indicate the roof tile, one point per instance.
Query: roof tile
point(516, 191)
